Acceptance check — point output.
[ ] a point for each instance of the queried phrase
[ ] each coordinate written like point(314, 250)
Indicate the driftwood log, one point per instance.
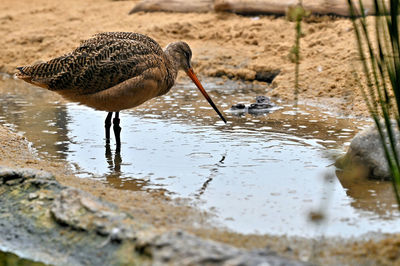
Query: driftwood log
point(174, 6)
point(277, 7)
point(322, 7)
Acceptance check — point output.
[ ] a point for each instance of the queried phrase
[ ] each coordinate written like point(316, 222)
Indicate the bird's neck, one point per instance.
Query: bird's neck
point(171, 73)
point(172, 65)
point(168, 51)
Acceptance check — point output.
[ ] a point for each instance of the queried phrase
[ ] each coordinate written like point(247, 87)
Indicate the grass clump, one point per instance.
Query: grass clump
point(380, 57)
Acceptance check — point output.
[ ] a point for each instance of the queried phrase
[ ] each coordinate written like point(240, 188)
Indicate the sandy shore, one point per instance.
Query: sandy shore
point(224, 45)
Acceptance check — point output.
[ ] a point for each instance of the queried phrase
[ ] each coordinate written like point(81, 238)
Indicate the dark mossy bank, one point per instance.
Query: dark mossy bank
point(45, 221)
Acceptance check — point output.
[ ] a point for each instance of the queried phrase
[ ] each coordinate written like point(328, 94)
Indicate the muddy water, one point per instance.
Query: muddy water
point(257, 174)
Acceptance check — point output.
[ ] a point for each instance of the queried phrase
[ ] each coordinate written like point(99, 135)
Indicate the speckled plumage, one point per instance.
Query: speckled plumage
point(102, 63)
point(113, 71)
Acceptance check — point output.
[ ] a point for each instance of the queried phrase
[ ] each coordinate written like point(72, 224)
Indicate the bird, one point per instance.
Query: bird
point(114, 71)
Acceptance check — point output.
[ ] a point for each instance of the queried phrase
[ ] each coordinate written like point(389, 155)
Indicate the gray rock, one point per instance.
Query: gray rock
point(82, 211)
point(16, 176)
point(262, 105)
point(181, 248)
point(366, 150)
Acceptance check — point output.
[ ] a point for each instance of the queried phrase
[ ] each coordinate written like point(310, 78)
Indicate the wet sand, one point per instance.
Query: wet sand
point(225, 45)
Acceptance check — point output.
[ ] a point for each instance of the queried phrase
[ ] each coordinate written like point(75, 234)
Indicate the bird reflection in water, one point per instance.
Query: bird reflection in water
point(214, 172)
point(114, 165)
point(118, 179)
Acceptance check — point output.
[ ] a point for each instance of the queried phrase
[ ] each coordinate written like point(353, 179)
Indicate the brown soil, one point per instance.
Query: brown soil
point(224, 45)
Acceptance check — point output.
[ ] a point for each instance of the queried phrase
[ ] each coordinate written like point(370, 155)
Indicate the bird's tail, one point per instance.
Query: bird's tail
point(25, 73)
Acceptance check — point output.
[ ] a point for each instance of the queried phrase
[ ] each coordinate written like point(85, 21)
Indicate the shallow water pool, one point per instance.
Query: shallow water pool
point(259, 174)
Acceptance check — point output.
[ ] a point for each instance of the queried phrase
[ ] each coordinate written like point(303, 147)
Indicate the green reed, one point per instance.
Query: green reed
point(379, 54)
point(296, 14)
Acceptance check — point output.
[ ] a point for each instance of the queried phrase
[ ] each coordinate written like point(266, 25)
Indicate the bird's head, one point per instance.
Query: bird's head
point(181, 55)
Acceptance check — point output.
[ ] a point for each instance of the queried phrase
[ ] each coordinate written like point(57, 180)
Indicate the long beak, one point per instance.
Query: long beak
point(196, 81)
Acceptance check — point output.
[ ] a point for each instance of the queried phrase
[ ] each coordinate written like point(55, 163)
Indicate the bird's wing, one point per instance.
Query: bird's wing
point(95, 65)
point(105, 36)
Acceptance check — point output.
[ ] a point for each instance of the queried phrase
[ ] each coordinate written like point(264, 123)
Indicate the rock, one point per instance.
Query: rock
point(366, 151)
point(238, 106)
point(181, 248)
point(262, 105)
point(267, 76)
point(33, 196)
point(18, 176)
point(246, 74)
point(82, 211)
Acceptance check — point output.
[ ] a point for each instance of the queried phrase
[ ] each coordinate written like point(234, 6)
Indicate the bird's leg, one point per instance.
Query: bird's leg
point(107, 125)
point(117, 129)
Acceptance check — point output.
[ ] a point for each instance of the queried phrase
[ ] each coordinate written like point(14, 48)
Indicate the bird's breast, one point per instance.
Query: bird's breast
point(128, 94)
